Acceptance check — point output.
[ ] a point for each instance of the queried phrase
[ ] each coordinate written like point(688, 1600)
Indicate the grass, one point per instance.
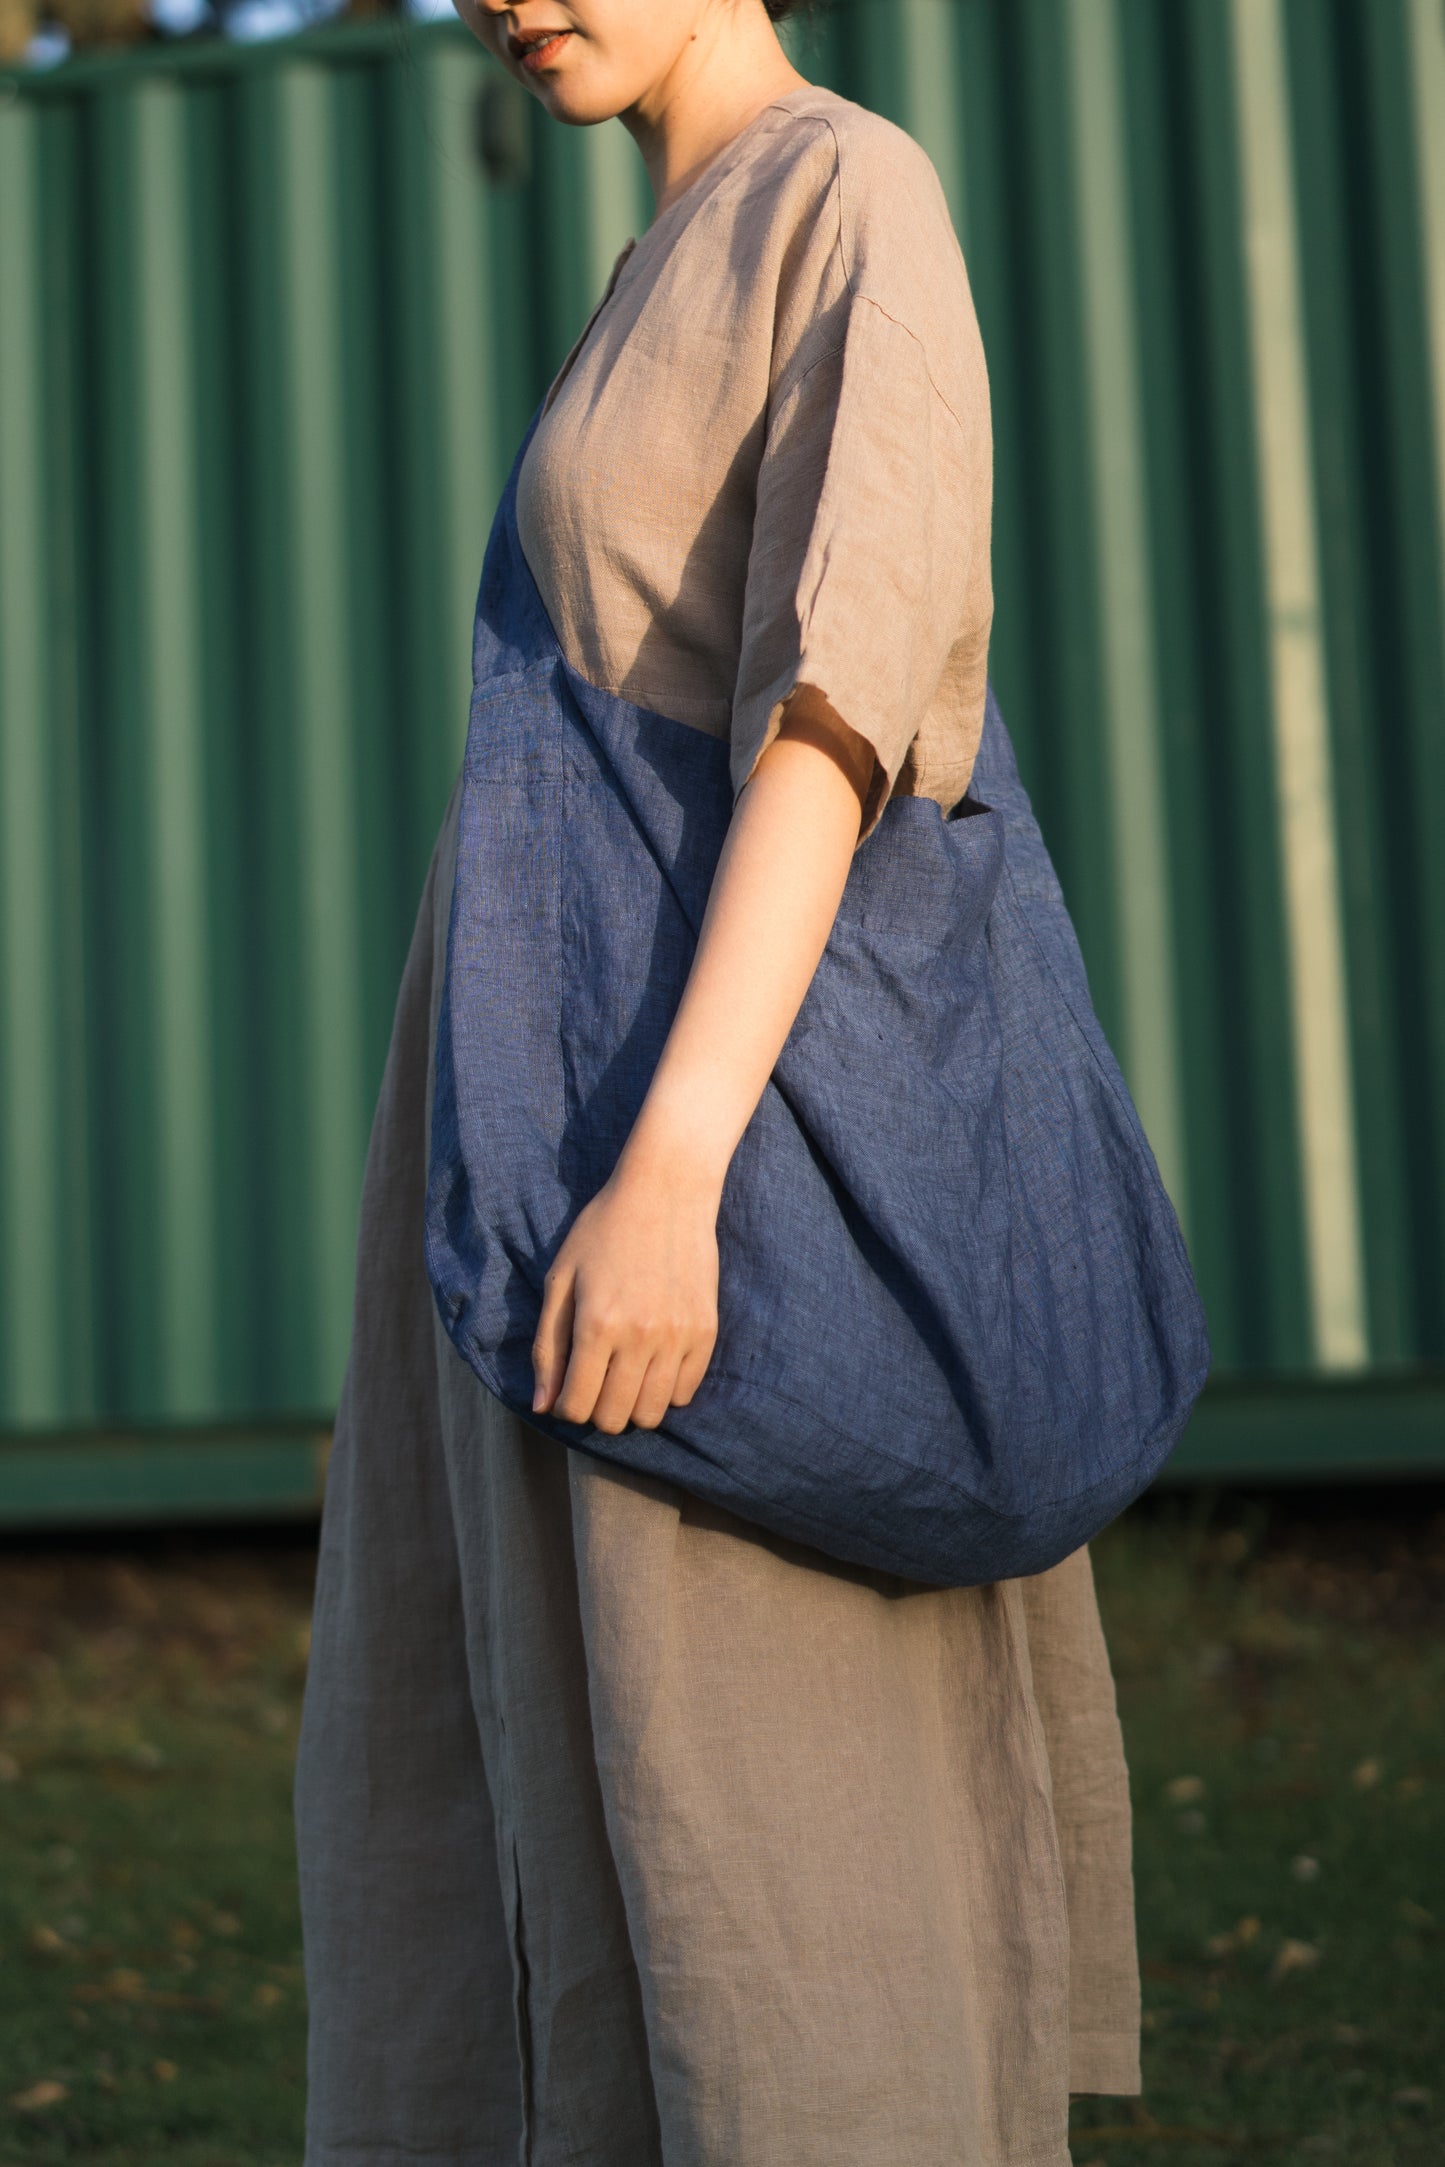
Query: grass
point(151, 1947)
point(1280, 1669)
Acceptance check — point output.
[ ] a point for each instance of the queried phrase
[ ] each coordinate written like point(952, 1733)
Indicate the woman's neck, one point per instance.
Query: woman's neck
point(728, 72)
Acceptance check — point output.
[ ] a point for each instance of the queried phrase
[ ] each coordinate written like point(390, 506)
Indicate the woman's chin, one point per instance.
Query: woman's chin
point(574, 104)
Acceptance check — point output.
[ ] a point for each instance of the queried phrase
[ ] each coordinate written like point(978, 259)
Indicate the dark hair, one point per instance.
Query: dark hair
point(777, 9)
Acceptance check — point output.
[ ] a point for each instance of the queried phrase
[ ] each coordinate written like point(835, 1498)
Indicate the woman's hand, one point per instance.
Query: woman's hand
point(629, 1309)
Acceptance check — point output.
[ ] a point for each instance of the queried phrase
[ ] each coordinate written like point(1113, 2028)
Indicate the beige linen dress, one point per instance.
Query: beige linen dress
point(630, 1835)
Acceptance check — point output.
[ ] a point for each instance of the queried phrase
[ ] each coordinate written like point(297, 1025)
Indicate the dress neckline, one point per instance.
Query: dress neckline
point(722, 162)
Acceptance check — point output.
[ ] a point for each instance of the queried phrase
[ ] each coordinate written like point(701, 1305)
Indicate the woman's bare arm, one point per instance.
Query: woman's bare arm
point(629, 1313)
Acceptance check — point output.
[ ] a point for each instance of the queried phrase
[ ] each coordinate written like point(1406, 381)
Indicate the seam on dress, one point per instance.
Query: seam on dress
point(522, 1981)
point(777, 401)
point(848, 273)
point(908, 332)
point(777, 396)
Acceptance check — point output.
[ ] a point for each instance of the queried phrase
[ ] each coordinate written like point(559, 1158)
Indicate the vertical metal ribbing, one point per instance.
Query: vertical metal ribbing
point(450, 339)
point(467, 367)
point(1132, 722)
point(1426, 30)
point(1313, 909)
point(325, 780)
point(31, 1380)
point(1425, 66)
point(927, 31)
point(173, 711)
point(243, 496)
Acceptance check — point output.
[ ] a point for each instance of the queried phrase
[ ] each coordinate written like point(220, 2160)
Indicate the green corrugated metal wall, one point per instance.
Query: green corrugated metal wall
point(271, 321)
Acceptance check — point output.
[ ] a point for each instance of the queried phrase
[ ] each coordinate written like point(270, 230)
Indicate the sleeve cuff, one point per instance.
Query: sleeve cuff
point(880, 782)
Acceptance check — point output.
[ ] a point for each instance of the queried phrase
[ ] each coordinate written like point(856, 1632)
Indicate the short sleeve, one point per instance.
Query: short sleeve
point(862, 548)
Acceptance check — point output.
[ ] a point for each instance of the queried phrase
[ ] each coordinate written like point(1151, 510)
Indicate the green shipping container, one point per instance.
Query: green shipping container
point(271, 322)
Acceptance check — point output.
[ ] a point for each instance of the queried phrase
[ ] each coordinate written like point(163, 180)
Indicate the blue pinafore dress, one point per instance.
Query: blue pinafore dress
point(959, 1379)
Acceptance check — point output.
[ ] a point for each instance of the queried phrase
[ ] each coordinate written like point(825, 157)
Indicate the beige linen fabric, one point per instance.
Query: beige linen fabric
point(632, 1837)
point(768, 462)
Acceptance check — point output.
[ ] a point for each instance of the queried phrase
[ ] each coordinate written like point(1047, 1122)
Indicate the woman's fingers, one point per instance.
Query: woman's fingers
point(585, 1370)
point(656, 1392)
point(612, 1382)
point(668, 1379)
point(553, 1337)
point(617, 1397)
point(621, 1341)
point(693, 1368)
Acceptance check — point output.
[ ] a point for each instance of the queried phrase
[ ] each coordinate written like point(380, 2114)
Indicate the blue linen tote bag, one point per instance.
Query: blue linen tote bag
point(957, 1327)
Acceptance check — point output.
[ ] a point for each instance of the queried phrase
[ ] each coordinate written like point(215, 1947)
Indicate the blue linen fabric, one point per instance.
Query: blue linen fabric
point(957, 1329)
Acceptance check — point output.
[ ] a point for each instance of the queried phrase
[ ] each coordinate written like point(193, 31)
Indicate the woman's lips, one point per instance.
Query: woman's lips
point(535, 57)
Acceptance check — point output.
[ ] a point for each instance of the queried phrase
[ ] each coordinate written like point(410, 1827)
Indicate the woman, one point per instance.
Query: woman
point(628, 1833)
